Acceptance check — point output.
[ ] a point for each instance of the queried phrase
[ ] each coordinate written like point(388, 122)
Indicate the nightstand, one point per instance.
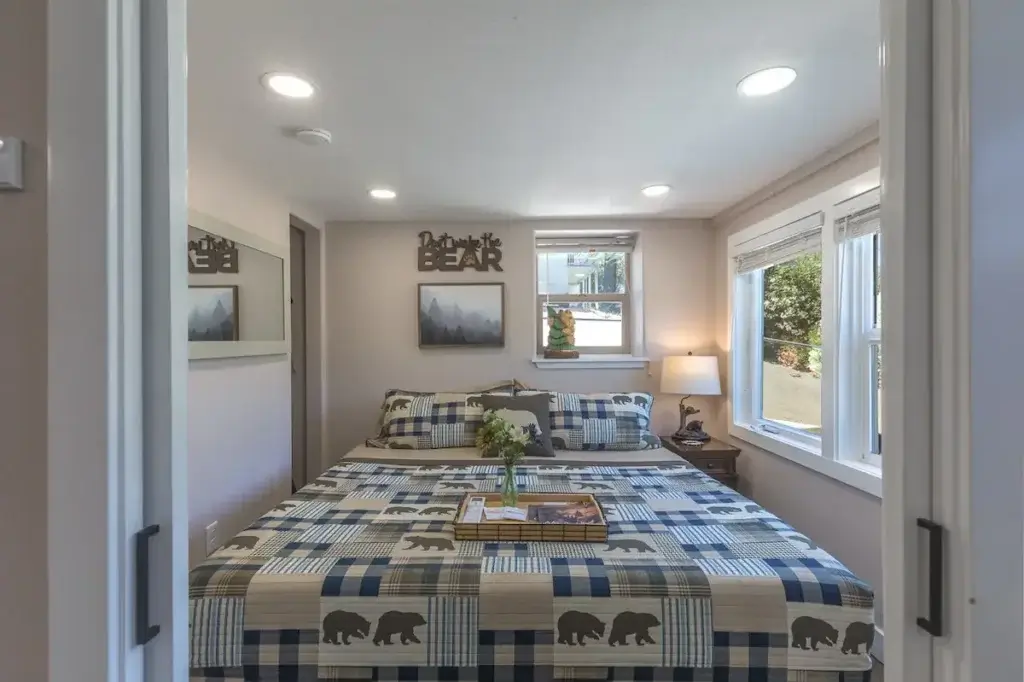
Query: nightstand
point(714, 458)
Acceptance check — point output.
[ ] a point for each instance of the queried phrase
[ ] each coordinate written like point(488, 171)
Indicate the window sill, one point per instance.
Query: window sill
point(854, 474)
point(593, 362)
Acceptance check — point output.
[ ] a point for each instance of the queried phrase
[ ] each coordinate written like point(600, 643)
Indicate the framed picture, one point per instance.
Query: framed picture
point(212, 313)
point(466, 315)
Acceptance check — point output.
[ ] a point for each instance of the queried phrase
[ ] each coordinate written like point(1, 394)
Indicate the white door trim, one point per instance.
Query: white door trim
point(165, 342)
point(906, 338)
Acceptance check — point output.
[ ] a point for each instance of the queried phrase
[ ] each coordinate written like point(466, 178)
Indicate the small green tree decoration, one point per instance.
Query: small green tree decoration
point(498, 437)
point(561, 334)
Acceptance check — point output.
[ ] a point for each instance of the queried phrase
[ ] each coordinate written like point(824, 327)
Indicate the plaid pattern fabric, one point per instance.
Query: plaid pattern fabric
point(335, 584)
point(601, 421)
point(431, 421)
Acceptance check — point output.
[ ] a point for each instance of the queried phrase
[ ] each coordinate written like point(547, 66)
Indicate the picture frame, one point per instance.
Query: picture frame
point(461, 315)
point(213, 314)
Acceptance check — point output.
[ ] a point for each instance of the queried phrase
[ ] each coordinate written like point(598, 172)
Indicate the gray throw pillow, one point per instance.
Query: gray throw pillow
point(530, 412)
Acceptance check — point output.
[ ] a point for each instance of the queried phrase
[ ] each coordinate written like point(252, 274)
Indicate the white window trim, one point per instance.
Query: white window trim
point(636, 358)
point(854, 471)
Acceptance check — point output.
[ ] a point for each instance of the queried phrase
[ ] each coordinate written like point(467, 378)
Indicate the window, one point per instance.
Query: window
point(806, 350)
point(591, 277)
point(859, 253)
point(782, 344)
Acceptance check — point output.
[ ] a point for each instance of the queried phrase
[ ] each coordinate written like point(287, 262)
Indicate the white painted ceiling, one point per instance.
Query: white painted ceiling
point(528, 108)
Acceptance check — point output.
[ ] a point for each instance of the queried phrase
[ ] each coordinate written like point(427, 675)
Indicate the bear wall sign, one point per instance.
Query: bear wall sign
point(209, 255)
point(448, 254)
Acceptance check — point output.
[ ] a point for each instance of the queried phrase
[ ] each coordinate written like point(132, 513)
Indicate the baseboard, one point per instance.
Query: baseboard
point(878, 650)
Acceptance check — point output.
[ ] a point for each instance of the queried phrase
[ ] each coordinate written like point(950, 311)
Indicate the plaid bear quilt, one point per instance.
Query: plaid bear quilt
point(359, 577)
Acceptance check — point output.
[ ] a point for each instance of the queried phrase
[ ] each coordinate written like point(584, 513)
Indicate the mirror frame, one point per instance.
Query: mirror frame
point(211, 350)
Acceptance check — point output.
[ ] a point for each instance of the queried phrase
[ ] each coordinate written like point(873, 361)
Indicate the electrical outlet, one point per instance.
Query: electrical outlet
point(211, 539)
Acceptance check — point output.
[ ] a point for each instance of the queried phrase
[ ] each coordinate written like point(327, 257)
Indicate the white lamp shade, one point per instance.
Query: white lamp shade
point(690, 375)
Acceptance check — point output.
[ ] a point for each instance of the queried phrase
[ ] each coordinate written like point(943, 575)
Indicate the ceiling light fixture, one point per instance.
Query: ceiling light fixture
point(656, 190)
point(288, 85)
point(383, 193)
point(767, 81)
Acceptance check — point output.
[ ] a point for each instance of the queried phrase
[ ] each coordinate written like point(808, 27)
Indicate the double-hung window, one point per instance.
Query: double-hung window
point(859, 340)
point(589, 275)
point(806, 336)
point(778, 332)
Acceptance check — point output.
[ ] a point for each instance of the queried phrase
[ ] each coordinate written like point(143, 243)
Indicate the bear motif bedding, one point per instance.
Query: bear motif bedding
point(359, 577)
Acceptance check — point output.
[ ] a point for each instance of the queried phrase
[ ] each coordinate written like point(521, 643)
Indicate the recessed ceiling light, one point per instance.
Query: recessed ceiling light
point(288, 85)
point(656, 190)
point(383, 193)
point(767, 81)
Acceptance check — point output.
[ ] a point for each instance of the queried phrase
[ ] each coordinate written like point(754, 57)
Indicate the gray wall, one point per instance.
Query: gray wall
point(372, 319)
point(23, 349)
point(239, 409)
point(842, 519)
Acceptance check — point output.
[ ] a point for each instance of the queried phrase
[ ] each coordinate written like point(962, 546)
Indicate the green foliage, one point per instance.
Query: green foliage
point(498, 437)
point(792, 312)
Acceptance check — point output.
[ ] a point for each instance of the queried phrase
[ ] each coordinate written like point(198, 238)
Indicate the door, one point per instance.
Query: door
point(299, 360)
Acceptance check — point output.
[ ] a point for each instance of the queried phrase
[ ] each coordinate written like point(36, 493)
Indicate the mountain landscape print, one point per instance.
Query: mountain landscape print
point(213, 313)
point(462, 315)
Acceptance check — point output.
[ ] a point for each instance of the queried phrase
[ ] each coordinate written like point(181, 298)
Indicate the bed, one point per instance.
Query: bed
point(358, 577)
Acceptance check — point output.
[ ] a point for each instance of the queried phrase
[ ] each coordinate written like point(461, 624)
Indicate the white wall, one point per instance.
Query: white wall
point(239, 409)
point(23, 349)
point(372, 318)
point(842, 519)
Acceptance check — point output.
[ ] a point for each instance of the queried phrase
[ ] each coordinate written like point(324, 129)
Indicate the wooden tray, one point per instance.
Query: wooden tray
point(506, 530)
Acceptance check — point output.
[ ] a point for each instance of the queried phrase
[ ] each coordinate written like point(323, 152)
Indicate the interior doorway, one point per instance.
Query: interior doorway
point(298, 302)
point(307, 305)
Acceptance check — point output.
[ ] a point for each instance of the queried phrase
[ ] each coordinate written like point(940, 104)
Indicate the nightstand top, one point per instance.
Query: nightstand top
point(713, 447)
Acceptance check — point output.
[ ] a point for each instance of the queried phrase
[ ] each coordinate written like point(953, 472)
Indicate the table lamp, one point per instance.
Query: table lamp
point(689, 375)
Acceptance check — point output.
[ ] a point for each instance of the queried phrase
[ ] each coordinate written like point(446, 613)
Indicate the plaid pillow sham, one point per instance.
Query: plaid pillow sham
point(600, 421)
point(429, 421)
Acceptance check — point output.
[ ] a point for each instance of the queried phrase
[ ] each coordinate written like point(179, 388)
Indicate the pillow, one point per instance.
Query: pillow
point(504, 387)
point(428, 421)
point(601, 421)
point(529, 412)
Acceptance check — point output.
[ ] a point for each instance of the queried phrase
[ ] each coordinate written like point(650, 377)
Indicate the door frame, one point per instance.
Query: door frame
point(116, 117)
point(316, 345)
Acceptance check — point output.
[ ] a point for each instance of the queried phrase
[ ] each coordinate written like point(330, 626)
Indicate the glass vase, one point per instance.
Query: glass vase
point(509, 491)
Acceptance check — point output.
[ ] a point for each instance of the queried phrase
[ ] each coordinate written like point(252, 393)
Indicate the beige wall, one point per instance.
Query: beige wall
point(372, 317)
point(23, 351)
point(239, 409)
point(842, 519)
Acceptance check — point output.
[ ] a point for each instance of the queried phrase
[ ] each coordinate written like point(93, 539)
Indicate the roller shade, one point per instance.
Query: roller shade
point(859, 224)
point(805, 237)
point(570, 243)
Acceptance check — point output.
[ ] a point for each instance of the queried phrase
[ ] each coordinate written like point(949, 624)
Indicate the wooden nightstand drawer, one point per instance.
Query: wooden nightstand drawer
point(714, 458)
point(713, 465)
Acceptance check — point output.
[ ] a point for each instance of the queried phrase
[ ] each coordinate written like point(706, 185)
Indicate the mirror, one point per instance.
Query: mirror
point(236, 293)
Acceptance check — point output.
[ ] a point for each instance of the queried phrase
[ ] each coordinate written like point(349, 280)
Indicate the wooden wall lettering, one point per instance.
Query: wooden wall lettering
point(448, 254)
point(209, 255)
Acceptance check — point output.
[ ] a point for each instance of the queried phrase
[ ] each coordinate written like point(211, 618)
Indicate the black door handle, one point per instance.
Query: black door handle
point(143, 630)
point(933, 623)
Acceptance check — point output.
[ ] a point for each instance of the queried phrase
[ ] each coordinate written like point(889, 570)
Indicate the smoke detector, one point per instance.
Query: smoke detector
point(313, 137)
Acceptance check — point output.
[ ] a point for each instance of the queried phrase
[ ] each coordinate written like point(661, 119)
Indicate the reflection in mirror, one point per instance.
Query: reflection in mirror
point(236, 292)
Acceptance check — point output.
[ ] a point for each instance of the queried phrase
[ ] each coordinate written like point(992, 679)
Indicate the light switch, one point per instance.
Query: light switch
point(10, 163)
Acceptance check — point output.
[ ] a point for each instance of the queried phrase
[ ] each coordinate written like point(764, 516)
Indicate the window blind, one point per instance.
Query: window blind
point(804, 237)
point(859, 224)
point(583, 243)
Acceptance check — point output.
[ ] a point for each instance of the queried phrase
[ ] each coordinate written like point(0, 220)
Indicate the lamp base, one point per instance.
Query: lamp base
point(683, 434)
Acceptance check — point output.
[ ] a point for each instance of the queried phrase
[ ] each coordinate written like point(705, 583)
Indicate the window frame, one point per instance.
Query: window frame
point(835, 455)
point(624, 299)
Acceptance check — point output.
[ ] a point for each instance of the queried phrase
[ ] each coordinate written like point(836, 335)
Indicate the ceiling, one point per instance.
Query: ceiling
point(477, 109)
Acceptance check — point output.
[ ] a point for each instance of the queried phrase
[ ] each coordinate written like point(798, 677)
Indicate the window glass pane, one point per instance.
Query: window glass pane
point(791, 344)
point(581, 273)
point(598, 324)
point(876, 266)
point(876, 398)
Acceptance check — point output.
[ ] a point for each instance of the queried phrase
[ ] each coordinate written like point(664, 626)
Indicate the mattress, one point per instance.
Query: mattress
point(359, 577)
